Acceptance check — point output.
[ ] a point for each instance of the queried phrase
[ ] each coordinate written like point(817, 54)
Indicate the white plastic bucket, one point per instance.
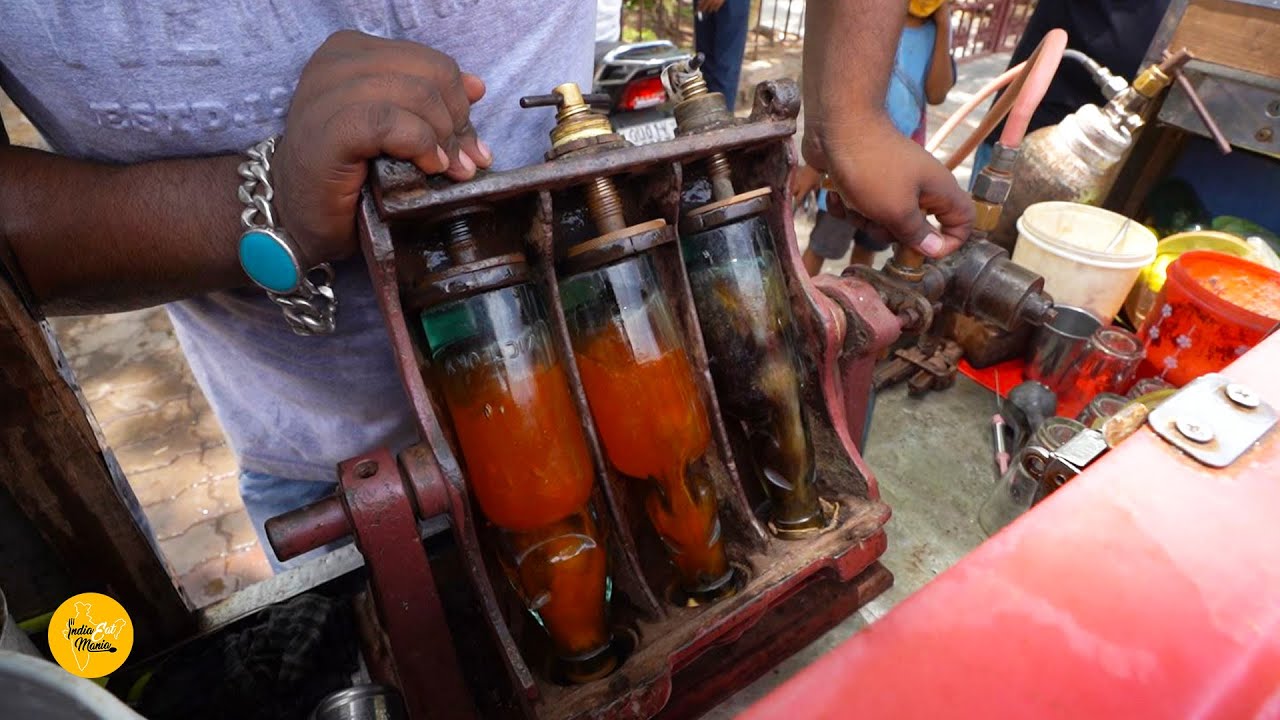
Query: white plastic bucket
point(1066, 243)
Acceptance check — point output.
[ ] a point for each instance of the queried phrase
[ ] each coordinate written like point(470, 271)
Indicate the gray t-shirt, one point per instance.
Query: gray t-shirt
point(134, 80)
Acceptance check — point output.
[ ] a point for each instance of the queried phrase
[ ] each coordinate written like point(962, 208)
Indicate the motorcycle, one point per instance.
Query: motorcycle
point(631, 74)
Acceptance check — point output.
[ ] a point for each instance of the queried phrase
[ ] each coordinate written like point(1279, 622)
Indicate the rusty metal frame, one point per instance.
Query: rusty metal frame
point(841, 325)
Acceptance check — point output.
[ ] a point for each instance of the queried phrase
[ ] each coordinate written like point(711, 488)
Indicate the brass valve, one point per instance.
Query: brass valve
point(575, 118)
point(576, 123)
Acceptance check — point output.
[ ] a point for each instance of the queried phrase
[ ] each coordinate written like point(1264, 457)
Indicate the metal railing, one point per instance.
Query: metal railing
point(986, 27)
point(772, 22)
point(979, 27)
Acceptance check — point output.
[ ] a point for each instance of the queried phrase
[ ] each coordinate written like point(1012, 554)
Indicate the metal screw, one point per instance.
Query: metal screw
point(1242, 396)
point(1273, 109)
point(1264, 135)
point(1193, 430)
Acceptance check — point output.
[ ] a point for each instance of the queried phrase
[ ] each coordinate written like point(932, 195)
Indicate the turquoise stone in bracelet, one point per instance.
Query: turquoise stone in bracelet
point(268, 259)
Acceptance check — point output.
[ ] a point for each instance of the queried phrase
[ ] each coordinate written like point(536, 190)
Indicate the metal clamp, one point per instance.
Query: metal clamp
point(1052, 469)
point(1213, 419)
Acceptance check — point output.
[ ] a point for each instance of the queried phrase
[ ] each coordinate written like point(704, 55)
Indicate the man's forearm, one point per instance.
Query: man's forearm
point(100, 238)
point(848, 57)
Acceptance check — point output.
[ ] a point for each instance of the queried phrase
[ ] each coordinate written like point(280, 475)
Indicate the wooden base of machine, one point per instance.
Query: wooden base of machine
point(815, 608)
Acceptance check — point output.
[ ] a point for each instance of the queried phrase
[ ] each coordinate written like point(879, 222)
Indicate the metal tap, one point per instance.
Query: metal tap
point(579, 127)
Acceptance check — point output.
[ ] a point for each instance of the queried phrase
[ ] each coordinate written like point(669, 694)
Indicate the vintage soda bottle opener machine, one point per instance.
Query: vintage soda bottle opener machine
point(637, 487)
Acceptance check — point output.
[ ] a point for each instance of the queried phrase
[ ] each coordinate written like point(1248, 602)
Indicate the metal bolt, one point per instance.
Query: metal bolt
point(1242, 396)
point(1264, 135)
point(1273, 109)
point(1194, 430)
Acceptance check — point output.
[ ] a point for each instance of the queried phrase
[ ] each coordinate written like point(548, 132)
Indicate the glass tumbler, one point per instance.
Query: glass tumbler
point(1107, 366)
point(1016, 491)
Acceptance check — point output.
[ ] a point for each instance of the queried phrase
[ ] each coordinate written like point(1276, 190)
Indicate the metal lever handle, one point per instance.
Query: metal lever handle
point(1181, 57)
point(556, 100)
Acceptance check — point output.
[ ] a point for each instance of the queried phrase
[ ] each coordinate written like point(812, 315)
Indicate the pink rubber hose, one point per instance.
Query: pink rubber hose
point(1027, 84)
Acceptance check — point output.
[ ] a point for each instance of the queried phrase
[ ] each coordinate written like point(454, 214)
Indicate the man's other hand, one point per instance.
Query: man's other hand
point(805, 181)
point(891, 181)
point(360, 97)
point(709, 6)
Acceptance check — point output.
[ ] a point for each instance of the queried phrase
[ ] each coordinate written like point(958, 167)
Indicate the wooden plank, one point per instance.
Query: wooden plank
point(53, 466)
point(1229, 33)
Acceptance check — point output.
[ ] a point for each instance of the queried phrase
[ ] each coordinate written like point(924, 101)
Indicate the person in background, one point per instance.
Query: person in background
point(923, 74)
point(720, 32)
point(608, 20)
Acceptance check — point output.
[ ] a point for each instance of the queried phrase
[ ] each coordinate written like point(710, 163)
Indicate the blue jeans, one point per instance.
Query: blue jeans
point(722, 37)
point(266, 496)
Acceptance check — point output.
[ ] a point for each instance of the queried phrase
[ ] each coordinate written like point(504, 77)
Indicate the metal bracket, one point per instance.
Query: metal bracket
point(1213, 419)
point(1054, 469)
point(1245, 105)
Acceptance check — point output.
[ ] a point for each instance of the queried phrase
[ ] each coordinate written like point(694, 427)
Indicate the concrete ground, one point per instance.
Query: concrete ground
point(931, 455)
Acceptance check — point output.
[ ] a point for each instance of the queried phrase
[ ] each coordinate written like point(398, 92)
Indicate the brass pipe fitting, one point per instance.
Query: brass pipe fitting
point(700, 109)
point(1151, 81)
point(988, 216)
point(576, 121)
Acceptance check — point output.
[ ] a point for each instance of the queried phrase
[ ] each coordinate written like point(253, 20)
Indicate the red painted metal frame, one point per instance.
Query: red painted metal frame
point(1149, 586)
point(403, 589)
point(867, 327)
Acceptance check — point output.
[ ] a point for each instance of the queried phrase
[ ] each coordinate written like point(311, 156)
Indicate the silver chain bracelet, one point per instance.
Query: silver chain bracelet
point(270, 258)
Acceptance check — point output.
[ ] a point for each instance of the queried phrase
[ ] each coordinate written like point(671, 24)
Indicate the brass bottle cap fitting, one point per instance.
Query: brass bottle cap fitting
point(1151, 81)
point(575, 120)
point(578, 126)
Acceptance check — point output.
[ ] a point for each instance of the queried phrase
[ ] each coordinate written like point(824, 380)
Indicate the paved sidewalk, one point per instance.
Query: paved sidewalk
point(170, 446)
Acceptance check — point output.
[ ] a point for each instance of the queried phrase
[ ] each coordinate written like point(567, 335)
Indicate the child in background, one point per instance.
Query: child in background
point(923, 73)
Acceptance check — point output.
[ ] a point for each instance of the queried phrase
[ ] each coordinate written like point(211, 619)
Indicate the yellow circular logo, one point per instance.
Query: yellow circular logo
point(90, 635)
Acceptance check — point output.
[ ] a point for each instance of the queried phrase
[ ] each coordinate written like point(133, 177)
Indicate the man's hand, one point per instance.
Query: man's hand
point(893, 182)
point(360, 97)
point(709, 6)
point(805, 181)
point(848, 58)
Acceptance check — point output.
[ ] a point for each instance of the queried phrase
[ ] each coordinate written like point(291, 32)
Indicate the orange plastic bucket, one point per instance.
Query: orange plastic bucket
point(1211, 310)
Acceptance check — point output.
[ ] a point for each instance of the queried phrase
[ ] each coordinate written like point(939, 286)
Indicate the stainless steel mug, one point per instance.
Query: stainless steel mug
point(1058, 345)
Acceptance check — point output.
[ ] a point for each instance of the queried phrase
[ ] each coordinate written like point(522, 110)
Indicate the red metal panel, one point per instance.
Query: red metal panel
point(1148, 587)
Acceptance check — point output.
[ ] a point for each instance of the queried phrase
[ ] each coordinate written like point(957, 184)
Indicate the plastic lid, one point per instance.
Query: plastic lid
point(1083, 231)
point(1173, 246)
point(1245, 291)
